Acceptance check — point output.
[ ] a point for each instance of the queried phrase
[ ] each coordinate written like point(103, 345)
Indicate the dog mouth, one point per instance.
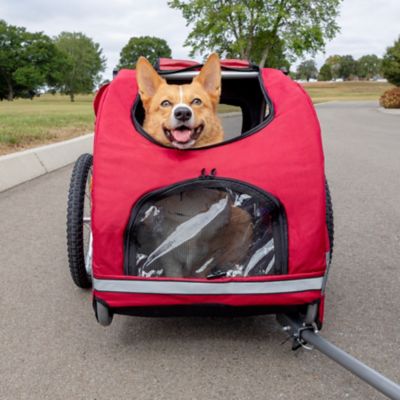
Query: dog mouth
point(183, 136)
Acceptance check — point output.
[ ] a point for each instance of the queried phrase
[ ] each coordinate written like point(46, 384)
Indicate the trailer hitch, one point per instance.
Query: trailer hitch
point(306, 334)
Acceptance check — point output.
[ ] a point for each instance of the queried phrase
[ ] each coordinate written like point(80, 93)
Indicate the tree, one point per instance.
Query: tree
point(27, 61)
point(391, 63)
point(147, 46)
point(307, 70)
point(348, 67)
point(334, 63)
point(325, 73)
point(82, 63)
point(276, 57)
point(368, 66)
point(253, 29)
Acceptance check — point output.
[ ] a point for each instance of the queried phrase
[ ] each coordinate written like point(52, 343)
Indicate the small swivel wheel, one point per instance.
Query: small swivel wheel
point(103, 314)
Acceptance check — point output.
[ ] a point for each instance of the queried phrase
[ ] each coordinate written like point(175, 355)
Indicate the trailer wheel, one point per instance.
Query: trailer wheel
point(103, 314)
point(329, 219)
point(79, 235)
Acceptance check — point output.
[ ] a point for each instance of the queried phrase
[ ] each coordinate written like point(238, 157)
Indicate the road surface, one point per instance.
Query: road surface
point(51, 347)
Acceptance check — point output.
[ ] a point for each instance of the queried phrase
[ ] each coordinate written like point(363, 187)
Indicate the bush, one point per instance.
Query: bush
point(391, 98)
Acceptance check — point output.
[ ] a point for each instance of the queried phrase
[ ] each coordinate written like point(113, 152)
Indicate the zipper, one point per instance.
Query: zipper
point(205, 180)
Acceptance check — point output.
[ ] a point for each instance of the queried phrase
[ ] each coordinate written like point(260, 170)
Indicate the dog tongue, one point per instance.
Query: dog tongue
point(181, 136)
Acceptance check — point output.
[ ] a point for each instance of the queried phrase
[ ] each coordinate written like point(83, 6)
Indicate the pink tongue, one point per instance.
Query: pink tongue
point(181, 136)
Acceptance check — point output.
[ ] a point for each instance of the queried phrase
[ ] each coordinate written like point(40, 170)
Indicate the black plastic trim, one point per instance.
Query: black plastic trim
point(280, 224)
point(205, 310)
point(250, 132)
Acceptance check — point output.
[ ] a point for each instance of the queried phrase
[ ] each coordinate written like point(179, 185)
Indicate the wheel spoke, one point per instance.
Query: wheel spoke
point(79, 222)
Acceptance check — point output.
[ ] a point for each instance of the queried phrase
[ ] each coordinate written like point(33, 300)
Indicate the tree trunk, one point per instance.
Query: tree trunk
point(10, 95)
point(72, 97)
point(264, 57)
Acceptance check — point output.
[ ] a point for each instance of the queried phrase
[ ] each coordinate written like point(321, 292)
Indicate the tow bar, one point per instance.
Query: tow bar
point(303, 335)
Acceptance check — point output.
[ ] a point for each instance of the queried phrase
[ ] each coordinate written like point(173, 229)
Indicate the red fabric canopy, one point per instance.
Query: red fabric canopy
point(285, 158)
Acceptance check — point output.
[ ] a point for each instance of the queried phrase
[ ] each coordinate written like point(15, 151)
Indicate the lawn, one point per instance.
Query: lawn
point(51, 118)
point(46, 119)
point(345, 91)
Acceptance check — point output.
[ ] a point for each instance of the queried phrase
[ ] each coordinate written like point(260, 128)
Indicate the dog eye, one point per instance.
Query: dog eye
point(166, 103)
point(196, 102)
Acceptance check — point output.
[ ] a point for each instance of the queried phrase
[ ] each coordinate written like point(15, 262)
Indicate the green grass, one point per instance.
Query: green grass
point(345, 91)
point(29, 123)
point(47, 119)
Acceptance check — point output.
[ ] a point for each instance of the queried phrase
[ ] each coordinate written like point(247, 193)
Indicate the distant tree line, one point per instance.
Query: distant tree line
point(341, 67)
point(347, 68)
point(69, 63)
point(72, 63)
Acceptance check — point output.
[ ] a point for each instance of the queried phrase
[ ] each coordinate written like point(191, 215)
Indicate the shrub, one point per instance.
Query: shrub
point(391, 98)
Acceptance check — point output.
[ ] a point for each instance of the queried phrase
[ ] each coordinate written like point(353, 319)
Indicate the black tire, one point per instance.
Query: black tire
point(78, 197)
point(329, 219)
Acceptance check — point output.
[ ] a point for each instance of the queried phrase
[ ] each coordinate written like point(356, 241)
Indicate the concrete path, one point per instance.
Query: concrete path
point(51, 347)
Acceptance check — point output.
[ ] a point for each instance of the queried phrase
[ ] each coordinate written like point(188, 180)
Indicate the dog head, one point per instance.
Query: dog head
point(181, 116)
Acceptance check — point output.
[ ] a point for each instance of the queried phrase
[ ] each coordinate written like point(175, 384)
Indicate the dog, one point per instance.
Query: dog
point(182, 116)
point(199, 232)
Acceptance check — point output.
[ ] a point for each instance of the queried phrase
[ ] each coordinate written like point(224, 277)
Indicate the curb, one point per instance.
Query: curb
point(391, 111)
point(25, 165)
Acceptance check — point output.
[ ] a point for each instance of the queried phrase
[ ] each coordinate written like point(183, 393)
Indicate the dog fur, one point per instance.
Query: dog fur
point(226, 240)
point(201, 97)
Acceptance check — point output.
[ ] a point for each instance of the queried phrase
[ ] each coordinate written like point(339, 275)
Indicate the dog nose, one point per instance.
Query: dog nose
point(183, 113)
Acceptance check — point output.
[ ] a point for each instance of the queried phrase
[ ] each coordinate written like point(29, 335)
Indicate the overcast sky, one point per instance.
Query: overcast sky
point(367, 26)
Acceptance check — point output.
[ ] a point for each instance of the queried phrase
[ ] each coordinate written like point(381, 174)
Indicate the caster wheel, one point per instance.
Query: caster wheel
point(103, 314)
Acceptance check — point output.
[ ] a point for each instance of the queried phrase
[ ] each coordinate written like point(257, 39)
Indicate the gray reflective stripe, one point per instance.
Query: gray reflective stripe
point(171, 287)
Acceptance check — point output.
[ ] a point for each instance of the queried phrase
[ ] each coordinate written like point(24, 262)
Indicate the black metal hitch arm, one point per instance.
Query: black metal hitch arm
point(307, 334)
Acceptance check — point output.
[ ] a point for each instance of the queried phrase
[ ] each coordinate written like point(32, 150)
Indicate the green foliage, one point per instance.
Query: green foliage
point(259, 29)
point(276, 56)
point(27, 61)
point(306, 70)
point(147, 46)
point(342, 66)
point(334, 63)
point(348, 67)
point(81, 65)
point(325, 73)
point(391, 63)
point(391, 98)
point(368, 66)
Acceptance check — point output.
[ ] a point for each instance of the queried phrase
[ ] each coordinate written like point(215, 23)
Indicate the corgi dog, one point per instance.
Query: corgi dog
point(182, 116)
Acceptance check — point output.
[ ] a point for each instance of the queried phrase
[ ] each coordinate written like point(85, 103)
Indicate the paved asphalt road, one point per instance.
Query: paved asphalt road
point(51, 347)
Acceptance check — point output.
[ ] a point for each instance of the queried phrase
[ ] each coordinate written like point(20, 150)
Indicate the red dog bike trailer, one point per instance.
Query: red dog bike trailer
point(143, 259)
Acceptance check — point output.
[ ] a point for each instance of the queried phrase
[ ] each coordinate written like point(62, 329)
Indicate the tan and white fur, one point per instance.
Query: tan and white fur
point(182, 116)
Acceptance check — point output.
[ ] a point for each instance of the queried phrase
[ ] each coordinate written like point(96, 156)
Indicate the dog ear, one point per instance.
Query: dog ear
point(210, 77)
point(148, 79)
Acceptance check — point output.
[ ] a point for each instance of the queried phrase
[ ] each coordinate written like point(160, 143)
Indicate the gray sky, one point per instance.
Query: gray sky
point(367, 26)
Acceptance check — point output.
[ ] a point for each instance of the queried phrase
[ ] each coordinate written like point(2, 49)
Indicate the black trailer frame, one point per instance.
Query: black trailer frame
point(304, 334)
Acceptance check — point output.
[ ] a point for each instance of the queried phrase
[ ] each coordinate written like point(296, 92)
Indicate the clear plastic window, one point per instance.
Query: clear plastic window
point(206, 232)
